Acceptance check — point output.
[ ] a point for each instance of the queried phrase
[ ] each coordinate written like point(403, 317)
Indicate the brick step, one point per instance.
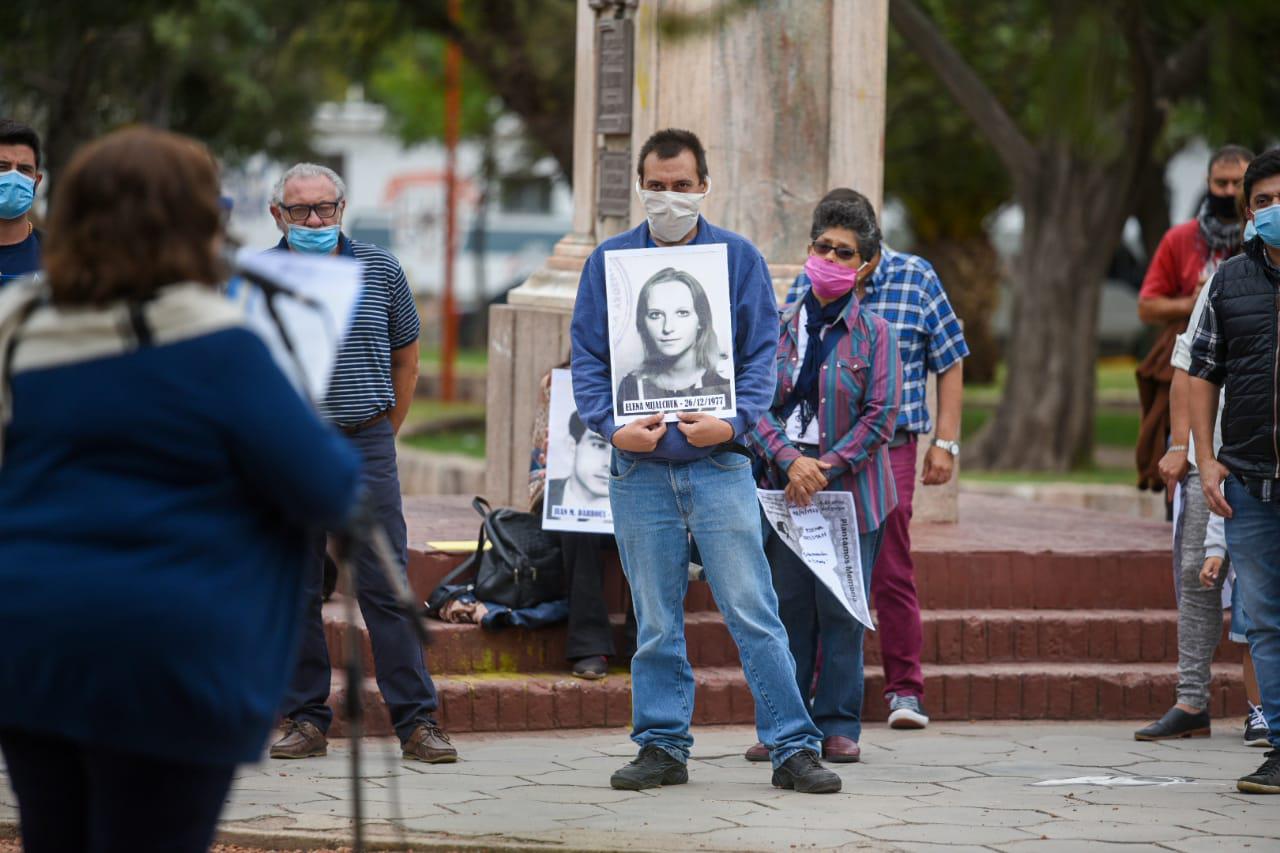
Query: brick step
point(955, 581)
point(950, 637)
point(996, 691)
point(1004, 554)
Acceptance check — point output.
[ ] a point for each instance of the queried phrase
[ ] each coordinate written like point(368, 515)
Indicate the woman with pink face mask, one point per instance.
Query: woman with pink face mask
point(833, 414)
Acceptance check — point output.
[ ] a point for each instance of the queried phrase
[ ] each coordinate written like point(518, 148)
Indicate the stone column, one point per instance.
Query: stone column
point(789, 99)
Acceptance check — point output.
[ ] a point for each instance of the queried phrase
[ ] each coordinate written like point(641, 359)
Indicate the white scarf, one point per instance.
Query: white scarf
point(36, 334)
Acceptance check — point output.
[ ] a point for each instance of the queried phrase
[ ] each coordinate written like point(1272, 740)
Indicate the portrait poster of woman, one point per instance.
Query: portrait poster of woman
point(670, 332)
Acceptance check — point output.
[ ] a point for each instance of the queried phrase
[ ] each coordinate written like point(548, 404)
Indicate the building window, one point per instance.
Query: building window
point(526, 194)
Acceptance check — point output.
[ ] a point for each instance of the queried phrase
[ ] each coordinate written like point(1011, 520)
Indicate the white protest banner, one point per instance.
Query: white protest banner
point(670, 332)
point(315, 314)
point(825, 536)
point(577, 494)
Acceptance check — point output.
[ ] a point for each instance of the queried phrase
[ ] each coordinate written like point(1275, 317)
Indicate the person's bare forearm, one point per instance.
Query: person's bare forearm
point(1179, 413)
point(1203, 411)
point(950, 401)
point(404, 379)
point(1165, 309)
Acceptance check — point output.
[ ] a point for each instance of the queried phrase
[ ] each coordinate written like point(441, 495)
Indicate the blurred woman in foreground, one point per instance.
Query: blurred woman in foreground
point(157, 474)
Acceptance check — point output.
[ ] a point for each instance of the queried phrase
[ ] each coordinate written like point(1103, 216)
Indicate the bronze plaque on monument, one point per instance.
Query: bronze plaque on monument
point(613, 75)
point(613, 186)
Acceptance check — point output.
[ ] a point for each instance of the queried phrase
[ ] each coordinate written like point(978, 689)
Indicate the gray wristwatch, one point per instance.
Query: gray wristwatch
point(952, 447)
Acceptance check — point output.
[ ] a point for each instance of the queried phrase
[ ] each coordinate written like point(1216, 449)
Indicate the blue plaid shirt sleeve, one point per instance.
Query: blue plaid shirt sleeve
point(1208, 349)
point(946, 339)
point(796, 291)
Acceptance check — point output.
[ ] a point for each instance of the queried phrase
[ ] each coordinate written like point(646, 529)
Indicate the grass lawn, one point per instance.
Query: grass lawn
point(469, 359)
point(1111, 427)
point(1114, 381)
point(467, 442)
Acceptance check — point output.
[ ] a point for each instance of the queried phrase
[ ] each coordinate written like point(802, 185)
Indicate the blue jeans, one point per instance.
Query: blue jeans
point(656, 505)
point(1253, 541)
point(812, 615)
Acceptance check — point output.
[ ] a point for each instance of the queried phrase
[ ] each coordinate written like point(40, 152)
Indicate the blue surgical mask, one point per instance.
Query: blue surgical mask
point(1249, 231)
point(1267, 223)
point(17, 192)
point(313, 241)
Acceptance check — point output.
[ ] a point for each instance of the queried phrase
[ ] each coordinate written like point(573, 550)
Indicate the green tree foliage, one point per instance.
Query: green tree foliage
point(242, 75)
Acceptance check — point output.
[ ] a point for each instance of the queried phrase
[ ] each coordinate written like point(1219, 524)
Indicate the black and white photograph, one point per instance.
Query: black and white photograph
point(577, 495)
point(671, 342)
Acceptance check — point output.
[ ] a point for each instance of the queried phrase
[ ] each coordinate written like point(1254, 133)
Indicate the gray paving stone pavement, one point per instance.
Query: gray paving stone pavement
point(955, 787)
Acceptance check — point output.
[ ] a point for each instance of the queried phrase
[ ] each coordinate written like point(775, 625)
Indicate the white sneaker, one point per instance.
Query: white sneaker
point(1256, 732)
point(906, 712)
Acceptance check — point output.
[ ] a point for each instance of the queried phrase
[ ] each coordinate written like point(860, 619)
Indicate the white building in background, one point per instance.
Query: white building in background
point(396, 199)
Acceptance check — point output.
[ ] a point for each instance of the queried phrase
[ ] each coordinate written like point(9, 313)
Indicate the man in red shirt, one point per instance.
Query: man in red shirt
point(1189, 252)
point(1185, 259)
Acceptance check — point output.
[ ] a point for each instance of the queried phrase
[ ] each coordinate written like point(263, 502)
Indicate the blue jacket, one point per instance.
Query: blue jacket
point(754, 311)
point(153, 516)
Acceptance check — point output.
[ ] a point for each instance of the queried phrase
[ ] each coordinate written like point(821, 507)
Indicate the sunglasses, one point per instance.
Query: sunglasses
point(844, 253)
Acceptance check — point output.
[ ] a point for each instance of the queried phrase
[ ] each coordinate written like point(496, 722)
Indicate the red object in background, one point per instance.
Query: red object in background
point(452, 115)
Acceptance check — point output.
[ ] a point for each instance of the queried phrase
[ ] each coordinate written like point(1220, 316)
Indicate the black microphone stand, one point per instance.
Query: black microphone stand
point(364, 529)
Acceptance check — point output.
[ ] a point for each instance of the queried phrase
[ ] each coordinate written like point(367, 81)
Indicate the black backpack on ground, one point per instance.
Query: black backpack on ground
point(522, 567)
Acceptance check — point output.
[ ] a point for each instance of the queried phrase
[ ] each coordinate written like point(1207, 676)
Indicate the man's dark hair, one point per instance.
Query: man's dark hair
point(577, 428)
point(1231, 154)
point(855, 215)
point(669, 143)
point(1260, 168)
point(17, 133)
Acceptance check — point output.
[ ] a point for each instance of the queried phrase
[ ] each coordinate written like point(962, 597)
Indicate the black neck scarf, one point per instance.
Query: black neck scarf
point(817, 317)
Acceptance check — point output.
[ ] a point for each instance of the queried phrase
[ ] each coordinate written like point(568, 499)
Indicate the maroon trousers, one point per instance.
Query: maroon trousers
point(893, 585)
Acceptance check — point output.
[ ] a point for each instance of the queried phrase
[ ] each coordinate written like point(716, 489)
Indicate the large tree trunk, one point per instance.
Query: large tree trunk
point(1045, 418)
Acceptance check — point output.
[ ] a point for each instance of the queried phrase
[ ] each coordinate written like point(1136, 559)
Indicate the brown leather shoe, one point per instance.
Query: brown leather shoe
point(429, 743)
point(841, 750)
point(301, 740)
point(759, 752)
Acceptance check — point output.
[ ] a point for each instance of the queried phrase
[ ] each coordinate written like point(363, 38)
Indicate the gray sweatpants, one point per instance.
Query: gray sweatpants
point(1199, 609)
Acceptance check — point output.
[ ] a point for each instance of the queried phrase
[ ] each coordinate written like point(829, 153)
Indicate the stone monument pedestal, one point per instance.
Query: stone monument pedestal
point(788, 99)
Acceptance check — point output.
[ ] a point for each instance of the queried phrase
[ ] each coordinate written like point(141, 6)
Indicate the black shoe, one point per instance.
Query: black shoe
point(654, 766)
point(591, 668)
point(805, 773)
point(1174, 724)
point(1264, 780)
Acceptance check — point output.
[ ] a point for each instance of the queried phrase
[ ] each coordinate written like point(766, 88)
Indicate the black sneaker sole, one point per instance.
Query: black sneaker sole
point(1245, 786)
point(673, 776)
point(788, 782)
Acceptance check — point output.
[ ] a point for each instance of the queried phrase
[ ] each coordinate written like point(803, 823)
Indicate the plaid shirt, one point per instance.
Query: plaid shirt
point(861, 377)
point(907, 292)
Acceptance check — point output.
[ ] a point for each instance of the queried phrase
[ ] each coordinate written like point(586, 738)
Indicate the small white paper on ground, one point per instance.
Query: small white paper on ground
point(825, 536)
point(316, 319)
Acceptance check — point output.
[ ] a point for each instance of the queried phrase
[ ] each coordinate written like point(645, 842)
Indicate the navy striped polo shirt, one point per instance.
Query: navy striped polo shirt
point(386, 319)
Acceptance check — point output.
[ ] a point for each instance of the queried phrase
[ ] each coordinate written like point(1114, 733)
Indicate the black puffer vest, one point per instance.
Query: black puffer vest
point(1246, 303)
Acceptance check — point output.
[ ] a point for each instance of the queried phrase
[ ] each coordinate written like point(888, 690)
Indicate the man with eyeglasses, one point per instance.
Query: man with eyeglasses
point(1236, 348)
point(368, 399)
point(20, 240)
point(904, 289)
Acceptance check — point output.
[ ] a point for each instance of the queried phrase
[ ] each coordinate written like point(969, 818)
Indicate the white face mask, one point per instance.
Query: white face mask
point(671, 215)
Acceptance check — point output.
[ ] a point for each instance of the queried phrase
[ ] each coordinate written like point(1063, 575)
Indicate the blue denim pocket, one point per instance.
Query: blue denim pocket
point(729, 461)
point(621, 467)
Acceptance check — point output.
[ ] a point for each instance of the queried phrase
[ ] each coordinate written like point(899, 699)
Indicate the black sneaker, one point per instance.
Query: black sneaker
point(1264, 780)
point(805, 773)
point(1256, 732)
point(654, 766)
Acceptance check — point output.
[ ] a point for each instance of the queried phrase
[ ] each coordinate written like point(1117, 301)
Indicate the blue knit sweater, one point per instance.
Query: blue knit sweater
point(153, 509)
